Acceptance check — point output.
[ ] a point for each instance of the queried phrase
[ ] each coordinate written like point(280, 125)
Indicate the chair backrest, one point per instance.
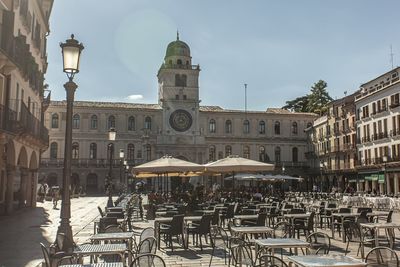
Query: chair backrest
point(147, 232)
point(148, 260)
point(296, 211)
point(230, 211)
point(46, 255)
point(389, 217)
point(310, 221)
point(241, 252)
point(146, 246)
point(271, 261)
point(320, 243)
point(100, 211)
point(344, 210)
point(177, 224)
point(331, 205)
point(205, 223)
point(382, 256)
point(215, 219)
point(106, 221)
point(359, 210)
point(114, 228)
point(261, 219)
point(282, 230)
point(362, 218)
point(352, 231)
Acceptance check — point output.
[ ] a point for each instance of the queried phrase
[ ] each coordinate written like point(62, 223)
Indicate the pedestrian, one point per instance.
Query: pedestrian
point(56, 196)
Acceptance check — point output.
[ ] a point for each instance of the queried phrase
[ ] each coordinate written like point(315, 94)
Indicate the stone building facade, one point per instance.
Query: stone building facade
point(177, 125)
point(378, 124)
point(24, 27)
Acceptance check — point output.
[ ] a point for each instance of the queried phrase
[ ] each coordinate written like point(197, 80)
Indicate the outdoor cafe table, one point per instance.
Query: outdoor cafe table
point(244, 230)
point(100, 249)
point(246, 216)
point(381, 225)
point(342, 217)
point(119, 236)
point(325, 261)
point(159, 221)
point(273, 243)
point(103, 264)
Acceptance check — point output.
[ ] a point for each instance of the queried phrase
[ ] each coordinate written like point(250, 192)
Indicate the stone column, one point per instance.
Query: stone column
point(9, 203)
point(366, 187)
point(381, 188)
point(34, 180)
point(374, 185)
point(396, 183)
point(24, 187)
point(389, 189)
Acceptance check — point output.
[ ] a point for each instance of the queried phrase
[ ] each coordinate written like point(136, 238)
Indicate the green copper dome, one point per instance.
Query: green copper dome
point(177, 48)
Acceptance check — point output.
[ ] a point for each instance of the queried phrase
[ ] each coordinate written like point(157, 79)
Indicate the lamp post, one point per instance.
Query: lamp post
point(321, 166)
point(111, 137)
point(71, 51)
point(121, 164)
point(384, 159)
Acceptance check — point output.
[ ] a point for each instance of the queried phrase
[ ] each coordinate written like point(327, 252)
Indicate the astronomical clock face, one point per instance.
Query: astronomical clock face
point(180, 120)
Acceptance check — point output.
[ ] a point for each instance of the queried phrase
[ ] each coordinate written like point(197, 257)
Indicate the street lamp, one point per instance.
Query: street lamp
point(321, 167)
point(71, 52)
point(121, 163)
point(111, 137)
point(384, 159)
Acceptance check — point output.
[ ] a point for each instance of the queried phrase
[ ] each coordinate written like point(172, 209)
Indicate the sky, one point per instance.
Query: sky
point(279, 48)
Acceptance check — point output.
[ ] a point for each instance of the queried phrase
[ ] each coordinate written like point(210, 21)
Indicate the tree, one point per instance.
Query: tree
point(317, 101)
point(319, 98)
point(298, 104)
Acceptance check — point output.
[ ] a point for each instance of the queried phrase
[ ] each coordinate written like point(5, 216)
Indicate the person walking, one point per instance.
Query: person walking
point(56, 196)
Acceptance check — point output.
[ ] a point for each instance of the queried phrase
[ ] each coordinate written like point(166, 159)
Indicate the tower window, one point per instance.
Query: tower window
point(179, 62)
point(184, 97)
point(177, 97)
point(180, 80)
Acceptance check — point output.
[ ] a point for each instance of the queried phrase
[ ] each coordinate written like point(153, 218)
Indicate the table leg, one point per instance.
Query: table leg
point(332, 226)
point(157, 229)
point(376, 236)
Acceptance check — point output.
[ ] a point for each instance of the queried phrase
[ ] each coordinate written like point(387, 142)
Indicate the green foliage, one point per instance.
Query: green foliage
point(316, 101)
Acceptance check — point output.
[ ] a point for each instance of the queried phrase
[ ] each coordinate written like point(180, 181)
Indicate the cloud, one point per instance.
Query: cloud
point(134, 97)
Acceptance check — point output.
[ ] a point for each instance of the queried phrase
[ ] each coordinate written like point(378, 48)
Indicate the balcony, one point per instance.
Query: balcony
point(87, 163)
point(23, 123)
point(16, 53)
point(394, 105)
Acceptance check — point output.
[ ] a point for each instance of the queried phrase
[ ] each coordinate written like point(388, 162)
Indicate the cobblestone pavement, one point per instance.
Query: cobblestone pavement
point(21, 233)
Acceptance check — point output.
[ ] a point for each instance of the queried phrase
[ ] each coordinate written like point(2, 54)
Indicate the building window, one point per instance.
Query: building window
point(261, 127)
point(294, 128)
point(212, 126)
point(295, 154)
point(261, 154)
point(277, 127)
point(75, 150)
point(93, 122)
point(53, 150)
point(131, 123)
point(54, 121)
point(246, 127)
point(148, 152)
point(93, 151)
point(246, 152)
point(76, 121)
point(111, 122)
point(228, 151)
point(277, 154)
point(131, 152)
point(147, 123)
point(211, 153)
point(228, 126)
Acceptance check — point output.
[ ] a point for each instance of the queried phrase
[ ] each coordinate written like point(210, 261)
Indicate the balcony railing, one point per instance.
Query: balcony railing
point(17, 49)
point(23, 123)
point(84, 163)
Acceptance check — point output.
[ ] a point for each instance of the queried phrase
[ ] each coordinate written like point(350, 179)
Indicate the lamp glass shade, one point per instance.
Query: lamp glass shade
point(71, 51)
point(121, 154)
point(384, 158)
point(112, 134)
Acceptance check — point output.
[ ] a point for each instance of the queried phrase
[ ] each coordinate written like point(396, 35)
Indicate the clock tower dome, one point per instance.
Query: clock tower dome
point(178, 95)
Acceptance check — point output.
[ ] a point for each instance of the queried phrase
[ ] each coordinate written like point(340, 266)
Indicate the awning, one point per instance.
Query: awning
point(381, 178)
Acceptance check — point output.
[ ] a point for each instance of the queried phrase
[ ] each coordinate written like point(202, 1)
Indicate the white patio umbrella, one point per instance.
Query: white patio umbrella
point(164, 166)
point(235, 164)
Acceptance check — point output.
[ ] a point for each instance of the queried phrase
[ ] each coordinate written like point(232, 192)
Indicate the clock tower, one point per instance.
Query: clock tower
point(178, 95)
